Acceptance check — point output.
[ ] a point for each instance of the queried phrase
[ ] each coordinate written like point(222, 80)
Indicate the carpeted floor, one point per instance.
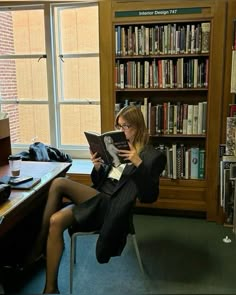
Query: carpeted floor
point(180, 256)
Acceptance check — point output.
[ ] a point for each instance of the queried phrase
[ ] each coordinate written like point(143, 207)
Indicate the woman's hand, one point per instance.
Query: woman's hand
point(131, 155)
point(97, 161)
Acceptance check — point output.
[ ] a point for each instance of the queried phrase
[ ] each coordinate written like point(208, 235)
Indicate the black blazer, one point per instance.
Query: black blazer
point(141, 183)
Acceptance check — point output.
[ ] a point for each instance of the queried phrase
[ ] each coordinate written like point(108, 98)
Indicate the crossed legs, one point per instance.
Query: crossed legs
point(55, 221)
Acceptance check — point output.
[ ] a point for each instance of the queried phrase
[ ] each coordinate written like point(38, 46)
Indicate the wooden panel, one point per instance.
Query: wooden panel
point(183, 193)
point(4, 128)
point(105, 40)
point(82, 178)
point(5, 141)
point(187, 205)
point(180, 198)
point(216, 68)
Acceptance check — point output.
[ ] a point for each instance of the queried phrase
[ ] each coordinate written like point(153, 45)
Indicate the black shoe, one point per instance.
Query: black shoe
point(29, 265)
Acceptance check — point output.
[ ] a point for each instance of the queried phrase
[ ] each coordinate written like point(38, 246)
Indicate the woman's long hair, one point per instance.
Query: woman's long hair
point(134, 117)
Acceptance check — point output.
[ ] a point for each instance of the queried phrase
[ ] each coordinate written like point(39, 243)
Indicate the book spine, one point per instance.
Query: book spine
point(185, 118)
point(174, 161)
point(175, 119)
point(171, 119)
point(233, 73)
point(190, 119)
point(159, 119)
point(187, 164)
point(194, 162)
point(199, 122)
point(165, 117)
point(206, 28)
point(153, 120)
point(144, 109)
point(195, 119)
point(201, 169)
point(122, 76)
point(204, 117)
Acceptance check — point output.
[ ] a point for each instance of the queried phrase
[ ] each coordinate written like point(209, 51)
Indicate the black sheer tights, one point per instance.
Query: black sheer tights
point(55, 221)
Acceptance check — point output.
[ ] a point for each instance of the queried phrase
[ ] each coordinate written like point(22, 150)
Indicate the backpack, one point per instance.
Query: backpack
point(38, 151)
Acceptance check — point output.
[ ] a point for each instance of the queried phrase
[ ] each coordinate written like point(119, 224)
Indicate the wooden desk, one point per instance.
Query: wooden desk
point(21, 202)
point(21, 215)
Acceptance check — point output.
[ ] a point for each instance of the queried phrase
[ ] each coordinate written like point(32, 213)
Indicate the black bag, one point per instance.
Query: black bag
point(58, 156)
point(5, 191)
point(38, 151)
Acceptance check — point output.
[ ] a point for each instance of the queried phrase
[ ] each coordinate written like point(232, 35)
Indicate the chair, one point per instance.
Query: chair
point(74, 234)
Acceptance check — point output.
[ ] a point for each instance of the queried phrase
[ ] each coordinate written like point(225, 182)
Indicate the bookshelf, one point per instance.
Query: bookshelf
point(137, 80)
point(229, 100)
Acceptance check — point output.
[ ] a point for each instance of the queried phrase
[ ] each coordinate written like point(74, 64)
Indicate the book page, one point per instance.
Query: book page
point(115, 141)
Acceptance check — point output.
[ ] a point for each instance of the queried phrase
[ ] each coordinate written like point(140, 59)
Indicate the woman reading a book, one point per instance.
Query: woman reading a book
point(107, 204)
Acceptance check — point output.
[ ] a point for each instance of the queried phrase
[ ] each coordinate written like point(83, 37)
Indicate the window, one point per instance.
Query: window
point(49, 74)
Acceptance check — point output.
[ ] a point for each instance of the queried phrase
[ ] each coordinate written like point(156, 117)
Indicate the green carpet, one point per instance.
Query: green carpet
point(180, 256)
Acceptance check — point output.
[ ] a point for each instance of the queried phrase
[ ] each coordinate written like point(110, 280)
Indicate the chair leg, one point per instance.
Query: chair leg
point(74, 248)
point(72, 260)
point(138, 253)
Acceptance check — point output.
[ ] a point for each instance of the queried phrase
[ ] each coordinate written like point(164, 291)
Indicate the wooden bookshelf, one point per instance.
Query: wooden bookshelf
point(228, 97)
point(181, 194)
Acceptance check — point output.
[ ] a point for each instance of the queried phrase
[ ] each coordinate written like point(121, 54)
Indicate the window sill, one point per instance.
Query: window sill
point(80, 166)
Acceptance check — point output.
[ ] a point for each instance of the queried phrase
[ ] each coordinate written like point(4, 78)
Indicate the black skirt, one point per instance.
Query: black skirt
point(90, 214)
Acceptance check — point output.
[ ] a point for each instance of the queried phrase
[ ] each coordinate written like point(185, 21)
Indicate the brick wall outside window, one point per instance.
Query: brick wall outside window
point(8, 83)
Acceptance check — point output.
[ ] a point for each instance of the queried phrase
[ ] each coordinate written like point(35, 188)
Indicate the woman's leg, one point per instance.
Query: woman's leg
point(60, 188)
point(59, 221)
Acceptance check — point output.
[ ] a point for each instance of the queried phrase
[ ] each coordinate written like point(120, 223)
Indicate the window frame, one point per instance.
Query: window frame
point(54, 103)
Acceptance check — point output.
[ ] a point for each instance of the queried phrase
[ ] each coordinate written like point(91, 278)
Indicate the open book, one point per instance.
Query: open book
point(107, 146)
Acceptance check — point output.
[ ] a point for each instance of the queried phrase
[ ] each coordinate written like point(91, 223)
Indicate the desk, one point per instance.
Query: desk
point(14, 237)
point(22, 203)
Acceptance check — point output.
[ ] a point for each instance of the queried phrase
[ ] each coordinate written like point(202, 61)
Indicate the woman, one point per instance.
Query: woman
point(108, 203)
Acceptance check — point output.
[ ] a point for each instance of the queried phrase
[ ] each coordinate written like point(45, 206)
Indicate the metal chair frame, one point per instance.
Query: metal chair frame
point(81, 233)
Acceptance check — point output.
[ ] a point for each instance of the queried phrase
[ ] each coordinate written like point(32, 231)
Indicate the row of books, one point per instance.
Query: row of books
point(162, 73)
point(230, 136)
point(162, 39)
point(183, 162)
point(179, 118)
point(227, 168)
point(169, 118)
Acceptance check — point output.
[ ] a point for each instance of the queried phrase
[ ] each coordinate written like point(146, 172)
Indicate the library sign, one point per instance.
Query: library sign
point(159, 12)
